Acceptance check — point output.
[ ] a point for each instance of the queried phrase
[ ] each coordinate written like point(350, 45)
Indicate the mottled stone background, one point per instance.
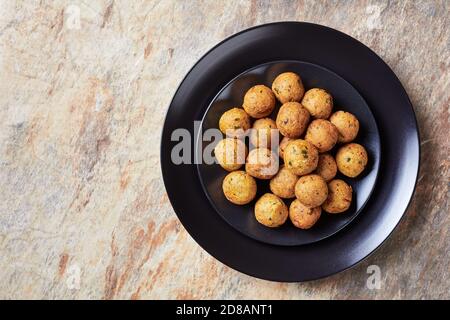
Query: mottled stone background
point(83, 210)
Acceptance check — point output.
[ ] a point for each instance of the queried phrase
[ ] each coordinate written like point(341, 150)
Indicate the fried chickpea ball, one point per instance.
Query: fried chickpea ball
point(283, 184)
point(262, 133)
point(259, 101)
point(239, 187)
point(326, 168)
point(318, 102)
point(261, 163)
point(230, 153)
point(271, 211)
point(301, 157)
point(339, 197)
point(234, 122)
point(311, 190)
point(283, 144)
point(303, 217)
point(351, 159)
point(287, 87)
point(322, 134)
point(347, 125)
point(292, 119)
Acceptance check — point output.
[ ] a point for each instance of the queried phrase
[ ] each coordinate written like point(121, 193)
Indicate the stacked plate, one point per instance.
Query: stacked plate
point(360, 83)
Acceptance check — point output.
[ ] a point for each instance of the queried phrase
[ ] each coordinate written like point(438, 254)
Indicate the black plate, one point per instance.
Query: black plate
point(345, 98)
point(399, 162)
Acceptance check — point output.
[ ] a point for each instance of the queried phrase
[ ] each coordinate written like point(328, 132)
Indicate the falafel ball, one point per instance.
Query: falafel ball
point(283, 184)
point(301, 157)
point(292, 119)
point(339, 197)
point(287, 87)
point(351, 159)
point(311, 190)
point(326, 168)
point(271, 211)
point(230, 153)
point(239, 187)
point(283, 144)
point(263, 132)
point(259, 101)
point(318, 102)
point(322, 134)
point(234, 122)
point(262, 163)
point(347, 125)
point(303, 217)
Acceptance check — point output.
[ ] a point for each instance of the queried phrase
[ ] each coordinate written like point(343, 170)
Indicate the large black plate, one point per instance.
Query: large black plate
point(399, 164)
point(345, 98)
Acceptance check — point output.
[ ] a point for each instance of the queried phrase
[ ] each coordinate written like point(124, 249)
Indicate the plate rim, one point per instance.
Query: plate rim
point(402, 91)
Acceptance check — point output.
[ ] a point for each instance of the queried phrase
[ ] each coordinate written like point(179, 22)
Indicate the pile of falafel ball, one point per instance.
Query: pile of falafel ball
point(310, 131)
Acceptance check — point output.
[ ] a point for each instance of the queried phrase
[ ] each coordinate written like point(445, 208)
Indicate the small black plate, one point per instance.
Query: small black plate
point(345, 98)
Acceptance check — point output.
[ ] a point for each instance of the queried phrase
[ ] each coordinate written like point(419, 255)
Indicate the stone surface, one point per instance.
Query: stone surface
point(83, 210)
